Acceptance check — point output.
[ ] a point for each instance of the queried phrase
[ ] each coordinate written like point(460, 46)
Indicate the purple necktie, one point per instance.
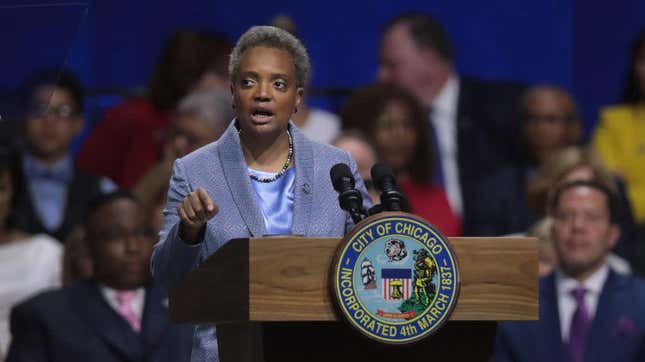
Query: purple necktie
point(580, 324)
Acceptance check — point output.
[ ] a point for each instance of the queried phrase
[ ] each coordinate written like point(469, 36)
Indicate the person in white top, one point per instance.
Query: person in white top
point(588, 312)
point(28, 263)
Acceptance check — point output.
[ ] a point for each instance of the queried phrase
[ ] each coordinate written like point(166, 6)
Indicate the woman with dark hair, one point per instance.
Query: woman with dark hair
point(28, 263)
point(620, 136)
point(397, 126)
point(129, 140)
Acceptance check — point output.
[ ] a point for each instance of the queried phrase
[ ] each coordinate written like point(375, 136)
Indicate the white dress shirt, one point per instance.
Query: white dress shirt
point(567, 304)
point(137, 302)
point(444, 120)
point(27, 267)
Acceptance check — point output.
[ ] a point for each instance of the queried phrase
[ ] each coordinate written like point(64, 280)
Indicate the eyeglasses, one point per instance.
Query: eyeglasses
point(64, 111)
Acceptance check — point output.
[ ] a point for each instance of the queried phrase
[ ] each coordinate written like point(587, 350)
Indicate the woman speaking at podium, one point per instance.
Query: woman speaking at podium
point(263, 176)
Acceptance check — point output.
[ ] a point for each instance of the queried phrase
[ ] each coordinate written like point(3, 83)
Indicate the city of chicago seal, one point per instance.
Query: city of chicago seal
point(395, 278)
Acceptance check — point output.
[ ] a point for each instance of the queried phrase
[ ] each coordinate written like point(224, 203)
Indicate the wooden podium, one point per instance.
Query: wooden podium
point(271, 301)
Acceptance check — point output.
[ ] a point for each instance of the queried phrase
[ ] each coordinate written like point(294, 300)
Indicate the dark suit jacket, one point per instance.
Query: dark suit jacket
point(77, 324)
point(500, 206)
point(82, 189)
point(488, 133)
point(617, 333)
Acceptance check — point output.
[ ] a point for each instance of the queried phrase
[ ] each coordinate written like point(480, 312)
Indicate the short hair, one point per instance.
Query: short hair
point(546, 87)
point(271, 37)
point(60, 78)
point(212, 107)
point(612, 204)
point(426, 32)
point(97, 203)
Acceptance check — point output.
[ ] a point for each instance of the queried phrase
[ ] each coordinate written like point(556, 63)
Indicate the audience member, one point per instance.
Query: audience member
point(317, 124)
point(474, 125)
point(28, 263)
point(574, 164)
point(118, 315)
point(620, 135)
point(129, 140)
point(200, 118)
point(547, 258)
point(396, 125)
point(587, 311)
point(357, 144)
point(56, 193)
point(550, 123)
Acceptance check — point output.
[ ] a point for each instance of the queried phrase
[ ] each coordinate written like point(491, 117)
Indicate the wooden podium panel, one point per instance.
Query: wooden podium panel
point(273, 279)
point(271, 300)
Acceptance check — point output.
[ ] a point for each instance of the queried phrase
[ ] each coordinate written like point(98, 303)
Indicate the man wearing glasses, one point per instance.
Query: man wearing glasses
point(55, 194)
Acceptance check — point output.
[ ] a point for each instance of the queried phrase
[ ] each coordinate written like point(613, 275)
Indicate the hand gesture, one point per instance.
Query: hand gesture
point(194, 212)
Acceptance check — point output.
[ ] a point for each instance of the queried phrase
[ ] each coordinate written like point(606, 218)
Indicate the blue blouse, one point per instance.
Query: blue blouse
point(275, 200)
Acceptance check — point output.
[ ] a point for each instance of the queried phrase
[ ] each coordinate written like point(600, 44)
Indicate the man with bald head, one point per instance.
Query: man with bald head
point(475, 124)
point(588, 312)
point(550, 123)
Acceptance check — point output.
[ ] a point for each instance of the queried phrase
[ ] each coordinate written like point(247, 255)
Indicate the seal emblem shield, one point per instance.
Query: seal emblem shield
point(395, 278)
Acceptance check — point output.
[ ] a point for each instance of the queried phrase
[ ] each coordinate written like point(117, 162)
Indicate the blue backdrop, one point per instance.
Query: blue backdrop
point(579, 44)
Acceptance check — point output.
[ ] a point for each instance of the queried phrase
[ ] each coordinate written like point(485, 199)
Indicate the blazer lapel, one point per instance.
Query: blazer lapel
point(607, 313)
point(303, 188)
point(238, 181)
point(553, 347)
point(104, 321)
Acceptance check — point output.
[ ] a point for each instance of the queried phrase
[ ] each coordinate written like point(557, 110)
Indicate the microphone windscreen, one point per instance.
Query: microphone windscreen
point(341, 175)
point(380, 172)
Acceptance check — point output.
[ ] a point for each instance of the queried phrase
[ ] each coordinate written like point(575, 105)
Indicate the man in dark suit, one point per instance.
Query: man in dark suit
point(475, 123)
point(118, 315)
point(587, 311)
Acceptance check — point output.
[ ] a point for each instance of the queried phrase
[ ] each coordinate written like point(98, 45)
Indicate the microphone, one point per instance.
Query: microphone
point(349, 198)
point(391, 198)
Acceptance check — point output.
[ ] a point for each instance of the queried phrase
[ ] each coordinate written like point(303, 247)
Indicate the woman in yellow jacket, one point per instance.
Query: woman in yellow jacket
point(620, 136)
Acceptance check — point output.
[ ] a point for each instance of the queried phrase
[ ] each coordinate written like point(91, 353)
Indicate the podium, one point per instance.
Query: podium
point(271, 301)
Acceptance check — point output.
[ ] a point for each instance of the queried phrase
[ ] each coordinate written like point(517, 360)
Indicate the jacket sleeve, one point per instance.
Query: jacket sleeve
point(28, 342)
point(502, 351)
point(173, 258)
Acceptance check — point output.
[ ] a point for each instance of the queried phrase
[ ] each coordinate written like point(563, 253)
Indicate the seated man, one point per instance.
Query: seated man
point(550, 123)
point(587, 311)
point(56, 194)
point(118, 315)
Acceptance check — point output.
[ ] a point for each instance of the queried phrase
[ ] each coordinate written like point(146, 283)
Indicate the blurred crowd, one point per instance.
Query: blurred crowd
point(474, 158)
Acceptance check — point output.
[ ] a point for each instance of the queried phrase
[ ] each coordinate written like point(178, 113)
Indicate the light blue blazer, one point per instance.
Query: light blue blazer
point(221, 169)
